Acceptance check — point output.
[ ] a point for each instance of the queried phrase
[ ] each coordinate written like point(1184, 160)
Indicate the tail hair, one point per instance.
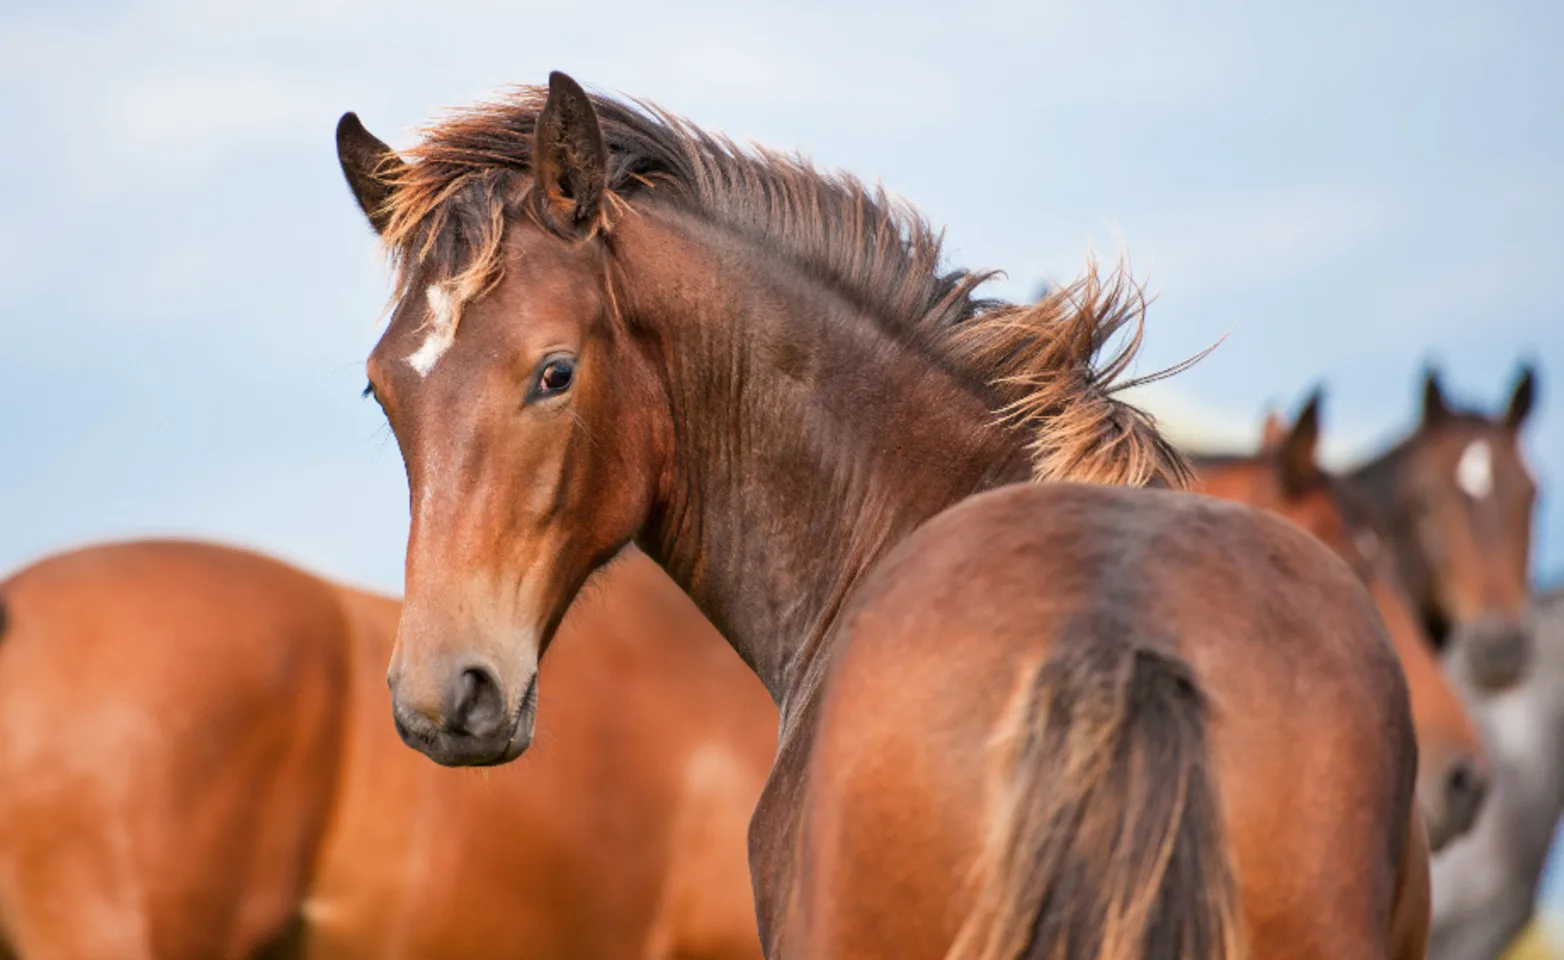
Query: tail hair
point(1106, 841)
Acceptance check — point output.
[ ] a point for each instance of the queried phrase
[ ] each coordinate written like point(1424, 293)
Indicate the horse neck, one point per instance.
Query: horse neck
point(1377, 484)
point(807, 441)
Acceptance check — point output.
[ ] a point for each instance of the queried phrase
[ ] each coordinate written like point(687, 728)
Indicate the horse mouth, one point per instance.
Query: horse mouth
point(457, 748)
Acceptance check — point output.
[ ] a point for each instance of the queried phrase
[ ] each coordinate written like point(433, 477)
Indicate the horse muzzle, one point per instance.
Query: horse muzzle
point(474, 729)
point(1497, 652)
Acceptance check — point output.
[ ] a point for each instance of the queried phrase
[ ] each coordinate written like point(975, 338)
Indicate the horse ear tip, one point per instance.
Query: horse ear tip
point(349, 127)
point(1309, 411)
point(1433, 390)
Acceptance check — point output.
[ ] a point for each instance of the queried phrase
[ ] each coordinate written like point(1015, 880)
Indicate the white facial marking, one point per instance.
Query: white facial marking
point(442, 330)
point(1474, 472)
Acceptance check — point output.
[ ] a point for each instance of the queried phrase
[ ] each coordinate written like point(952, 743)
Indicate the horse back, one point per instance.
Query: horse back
point(1310, 738)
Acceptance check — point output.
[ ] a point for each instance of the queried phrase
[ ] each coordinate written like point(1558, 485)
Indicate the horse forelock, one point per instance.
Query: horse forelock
point(1048, 368)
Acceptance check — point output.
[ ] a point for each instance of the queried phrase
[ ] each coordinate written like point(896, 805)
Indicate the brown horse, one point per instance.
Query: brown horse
point(1052, 719)
point(195, 762)
point(170, 726)
point(621, 835)
point(1284, 476)
point(1457, 498)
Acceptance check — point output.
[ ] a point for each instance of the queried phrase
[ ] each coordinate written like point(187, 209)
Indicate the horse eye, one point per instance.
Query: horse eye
point(368, 391)
point(555, 378)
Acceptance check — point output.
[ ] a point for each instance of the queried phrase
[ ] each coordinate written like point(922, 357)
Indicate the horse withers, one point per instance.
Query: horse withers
point(1285, 476)
point(1065, 719)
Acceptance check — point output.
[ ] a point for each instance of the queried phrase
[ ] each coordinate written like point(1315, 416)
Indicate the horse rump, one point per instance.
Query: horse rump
point(1106, 842)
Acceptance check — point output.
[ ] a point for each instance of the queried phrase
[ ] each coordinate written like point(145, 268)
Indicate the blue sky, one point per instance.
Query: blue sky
point(187, 292)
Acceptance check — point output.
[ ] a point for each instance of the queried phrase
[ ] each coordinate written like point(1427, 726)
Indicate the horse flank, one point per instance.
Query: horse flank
point(1038, 366)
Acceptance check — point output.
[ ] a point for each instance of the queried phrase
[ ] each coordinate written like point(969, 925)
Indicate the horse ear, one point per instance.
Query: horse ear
point(371, 168)
point(1300, 469)
point(569, 159)
point(1435, 409)
point(1521, 398)
point(1272, 432)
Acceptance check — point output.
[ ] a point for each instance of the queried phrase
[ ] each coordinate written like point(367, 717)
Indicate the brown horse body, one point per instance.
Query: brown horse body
point(1054, 720)
point(1284, 476)
point(625, 837)
point(196, 755)
point(1155, 695)
point(170, 722)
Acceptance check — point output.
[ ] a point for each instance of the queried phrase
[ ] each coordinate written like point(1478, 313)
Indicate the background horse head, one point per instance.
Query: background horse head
point(1284, 476)
point(1457, 498)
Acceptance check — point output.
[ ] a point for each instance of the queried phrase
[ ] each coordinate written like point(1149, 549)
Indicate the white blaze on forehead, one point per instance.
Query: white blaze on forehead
point(441, 327)
point(1474, 471)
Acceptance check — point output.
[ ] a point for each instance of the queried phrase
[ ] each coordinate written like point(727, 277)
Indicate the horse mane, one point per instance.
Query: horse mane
point(1041, 365)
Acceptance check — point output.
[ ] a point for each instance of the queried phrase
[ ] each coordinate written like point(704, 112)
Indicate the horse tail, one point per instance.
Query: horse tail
point(1106, 841)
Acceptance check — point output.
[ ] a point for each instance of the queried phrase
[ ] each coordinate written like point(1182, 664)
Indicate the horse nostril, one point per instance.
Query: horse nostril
point(1499, 655)
point(1465, 788)
point(479, 708)
point(1517, 645)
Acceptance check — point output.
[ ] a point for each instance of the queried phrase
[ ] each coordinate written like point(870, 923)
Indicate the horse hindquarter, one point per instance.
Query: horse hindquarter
point(1014, 657)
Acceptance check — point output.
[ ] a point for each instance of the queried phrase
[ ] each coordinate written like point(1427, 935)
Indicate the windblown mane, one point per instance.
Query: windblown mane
point(1041, 365)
